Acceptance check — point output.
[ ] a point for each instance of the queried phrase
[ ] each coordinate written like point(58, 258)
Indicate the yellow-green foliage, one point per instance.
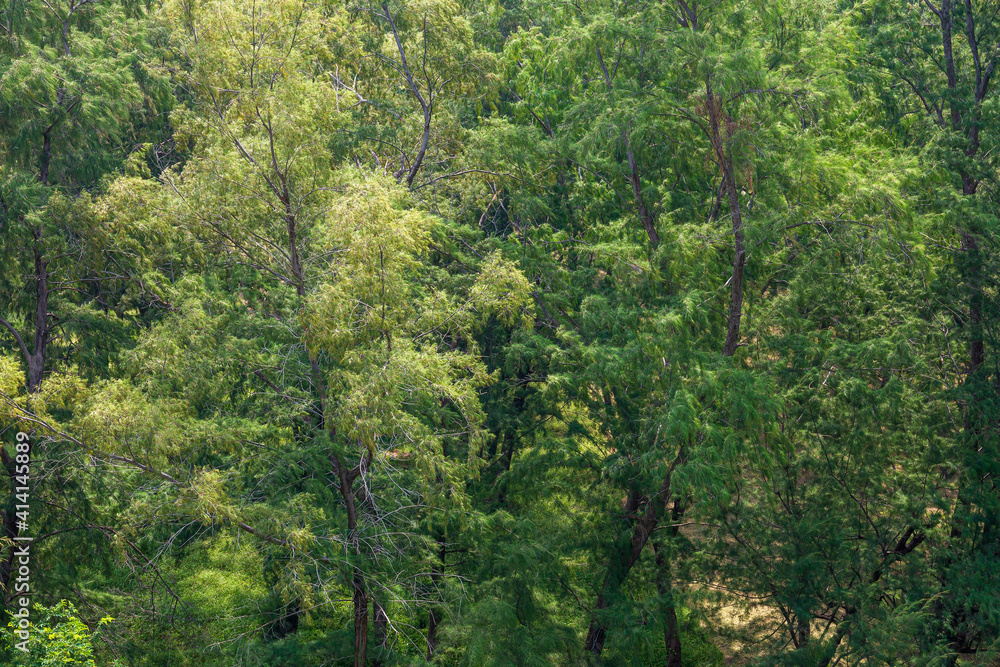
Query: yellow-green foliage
point(374, 238)
point(222, 578)
point(371, 315)
point(57, 638)
point(11, 384)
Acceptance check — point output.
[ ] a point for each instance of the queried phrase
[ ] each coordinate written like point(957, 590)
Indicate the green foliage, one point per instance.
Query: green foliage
point(399, 332)
point(55, 637)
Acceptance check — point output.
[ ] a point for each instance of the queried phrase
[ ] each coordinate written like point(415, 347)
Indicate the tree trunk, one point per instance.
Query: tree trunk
point(424, 141)
point(613, 578)
point(671, 631)
point(646, 217)
point(970, 245)
point(625, 556)
point(381, 623)
point(966, 119)
point(426, 103)
point(359, 596)
point(723, 156)
point(736, 280)
point(359, 600)
point(36, 361)
point(43, 171)
point(433, 622)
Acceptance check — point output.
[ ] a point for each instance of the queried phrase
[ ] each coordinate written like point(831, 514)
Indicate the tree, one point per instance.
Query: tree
point(380, 368)
point(74, 93)
point(939, 61)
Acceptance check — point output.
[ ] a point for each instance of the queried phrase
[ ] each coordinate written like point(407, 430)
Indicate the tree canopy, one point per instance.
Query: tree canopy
point(500, 332)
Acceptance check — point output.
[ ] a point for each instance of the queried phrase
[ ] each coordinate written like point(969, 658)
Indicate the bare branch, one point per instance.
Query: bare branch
point(17, 337)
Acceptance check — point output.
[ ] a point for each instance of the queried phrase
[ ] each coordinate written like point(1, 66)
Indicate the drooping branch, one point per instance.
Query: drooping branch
point(28, 416)
point(17, 337)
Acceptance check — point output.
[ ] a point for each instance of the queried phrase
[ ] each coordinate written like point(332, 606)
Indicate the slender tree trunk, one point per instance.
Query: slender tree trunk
point(625, 555)
point(736, 280)
point(359, 594)
point(345, 476)
point(802, 631)
point(671, 631)
point(970, 185)
point(723, 156)
point(432, 625)
point(426, 103)
point(424, 141)
point(43, 172)
point(381, 627)
point(433, 622)
point(36, 362)
point(646, 216)
point(970, 245)
point(613, 577)
point(359, 600)
point(966, 119)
